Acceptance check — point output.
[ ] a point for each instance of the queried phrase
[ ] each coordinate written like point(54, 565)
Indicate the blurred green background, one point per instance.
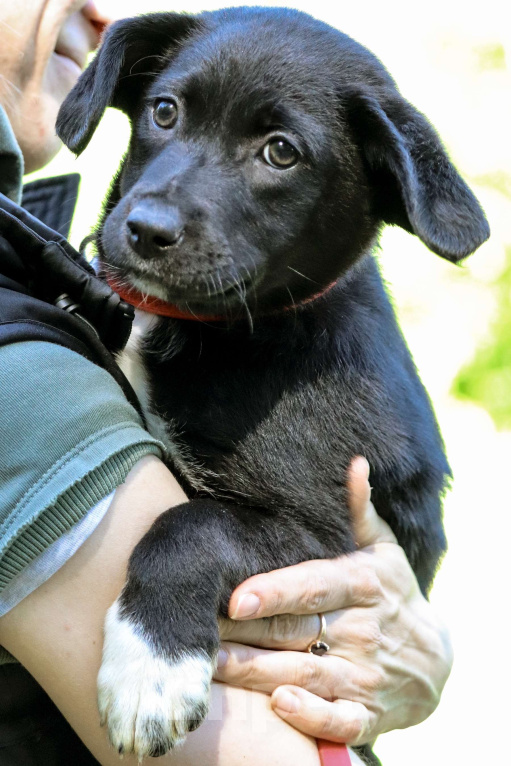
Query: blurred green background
point(453, 61)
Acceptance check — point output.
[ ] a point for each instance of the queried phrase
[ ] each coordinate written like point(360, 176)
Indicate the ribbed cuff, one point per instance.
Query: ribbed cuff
point(69, 508)
point(6, 657)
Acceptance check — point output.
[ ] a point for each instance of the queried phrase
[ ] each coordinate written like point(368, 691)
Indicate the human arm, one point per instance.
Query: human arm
point(256, 699)
point(61, 452)
point(56, 632)
point(390, 654)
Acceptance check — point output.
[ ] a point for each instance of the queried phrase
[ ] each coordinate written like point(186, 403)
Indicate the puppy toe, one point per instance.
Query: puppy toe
point(149, 702)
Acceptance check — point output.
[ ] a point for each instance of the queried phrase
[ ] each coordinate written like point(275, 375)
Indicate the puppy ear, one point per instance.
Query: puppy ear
point(416, 185)
point(132, 50)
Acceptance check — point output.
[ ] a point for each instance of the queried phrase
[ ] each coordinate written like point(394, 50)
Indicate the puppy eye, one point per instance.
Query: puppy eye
point(165, 113)
point(280, 154)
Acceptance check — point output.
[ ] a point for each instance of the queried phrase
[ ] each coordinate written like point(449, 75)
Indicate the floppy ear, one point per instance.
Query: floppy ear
point(416, 185)
point(136, 46)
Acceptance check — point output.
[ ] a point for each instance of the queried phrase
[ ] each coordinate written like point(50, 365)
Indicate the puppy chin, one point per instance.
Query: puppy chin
point(149, 287)
point(184, 299)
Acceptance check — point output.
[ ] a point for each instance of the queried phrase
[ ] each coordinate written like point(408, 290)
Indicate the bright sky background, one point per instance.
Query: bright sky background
point(453, 61)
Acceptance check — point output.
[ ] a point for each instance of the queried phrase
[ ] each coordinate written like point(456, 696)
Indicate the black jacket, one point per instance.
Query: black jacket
point(48, 291)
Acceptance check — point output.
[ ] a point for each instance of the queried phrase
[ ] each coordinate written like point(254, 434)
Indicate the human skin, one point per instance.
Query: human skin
point(56, 632)
point(379, 637)
point(390, 653)
point(44, 50)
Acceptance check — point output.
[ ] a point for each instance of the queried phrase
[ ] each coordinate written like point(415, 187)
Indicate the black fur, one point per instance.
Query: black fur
point(272, 403)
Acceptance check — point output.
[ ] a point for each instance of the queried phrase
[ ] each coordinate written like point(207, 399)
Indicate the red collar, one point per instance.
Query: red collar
point(156, 306)
point(333, 753)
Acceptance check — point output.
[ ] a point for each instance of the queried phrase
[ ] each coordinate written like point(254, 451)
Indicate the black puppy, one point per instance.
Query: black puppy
point(267, 151)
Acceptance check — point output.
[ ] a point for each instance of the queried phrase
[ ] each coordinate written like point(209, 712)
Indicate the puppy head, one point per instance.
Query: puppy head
point(267, 149)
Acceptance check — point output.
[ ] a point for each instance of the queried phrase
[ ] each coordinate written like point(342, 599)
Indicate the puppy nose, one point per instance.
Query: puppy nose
point(153, 230)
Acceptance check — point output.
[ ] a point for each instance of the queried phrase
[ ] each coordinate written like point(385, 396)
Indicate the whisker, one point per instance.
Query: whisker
point(245, 303)
point(303, 275)
point(202, 321)
point(249, 317)
point(150, 56)
point(139, 74)
point(248, 272)
point(293, 304)
point(241, 290)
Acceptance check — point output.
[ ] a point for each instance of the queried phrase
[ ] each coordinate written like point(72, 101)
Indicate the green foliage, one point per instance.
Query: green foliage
point(491, 56)
point(486, 380)
point(498, 180)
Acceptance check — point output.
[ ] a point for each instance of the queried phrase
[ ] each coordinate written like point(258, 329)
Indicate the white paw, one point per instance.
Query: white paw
point(148, 703)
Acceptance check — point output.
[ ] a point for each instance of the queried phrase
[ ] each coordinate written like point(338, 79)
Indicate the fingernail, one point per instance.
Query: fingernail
point(248, 605)
point(222, 658)
point(287, 702)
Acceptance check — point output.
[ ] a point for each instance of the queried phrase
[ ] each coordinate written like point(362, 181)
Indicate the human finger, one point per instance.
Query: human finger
point(284, 631)
point(339, 721)
point(355, 634)
point(368, 527)
point(321, 586)
point(307, 588)
point(329, 676)
point(359, 489)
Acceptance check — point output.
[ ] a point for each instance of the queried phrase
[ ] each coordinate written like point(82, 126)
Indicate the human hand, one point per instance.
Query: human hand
point(389, 656)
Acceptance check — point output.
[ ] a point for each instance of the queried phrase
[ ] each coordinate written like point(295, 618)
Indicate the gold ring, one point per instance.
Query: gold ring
point(319, 646)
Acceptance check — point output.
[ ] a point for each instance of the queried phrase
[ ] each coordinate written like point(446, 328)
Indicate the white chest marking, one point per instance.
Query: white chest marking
point(131, 362)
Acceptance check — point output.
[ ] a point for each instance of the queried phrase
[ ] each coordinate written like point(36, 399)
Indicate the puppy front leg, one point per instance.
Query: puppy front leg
point(161, 635)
